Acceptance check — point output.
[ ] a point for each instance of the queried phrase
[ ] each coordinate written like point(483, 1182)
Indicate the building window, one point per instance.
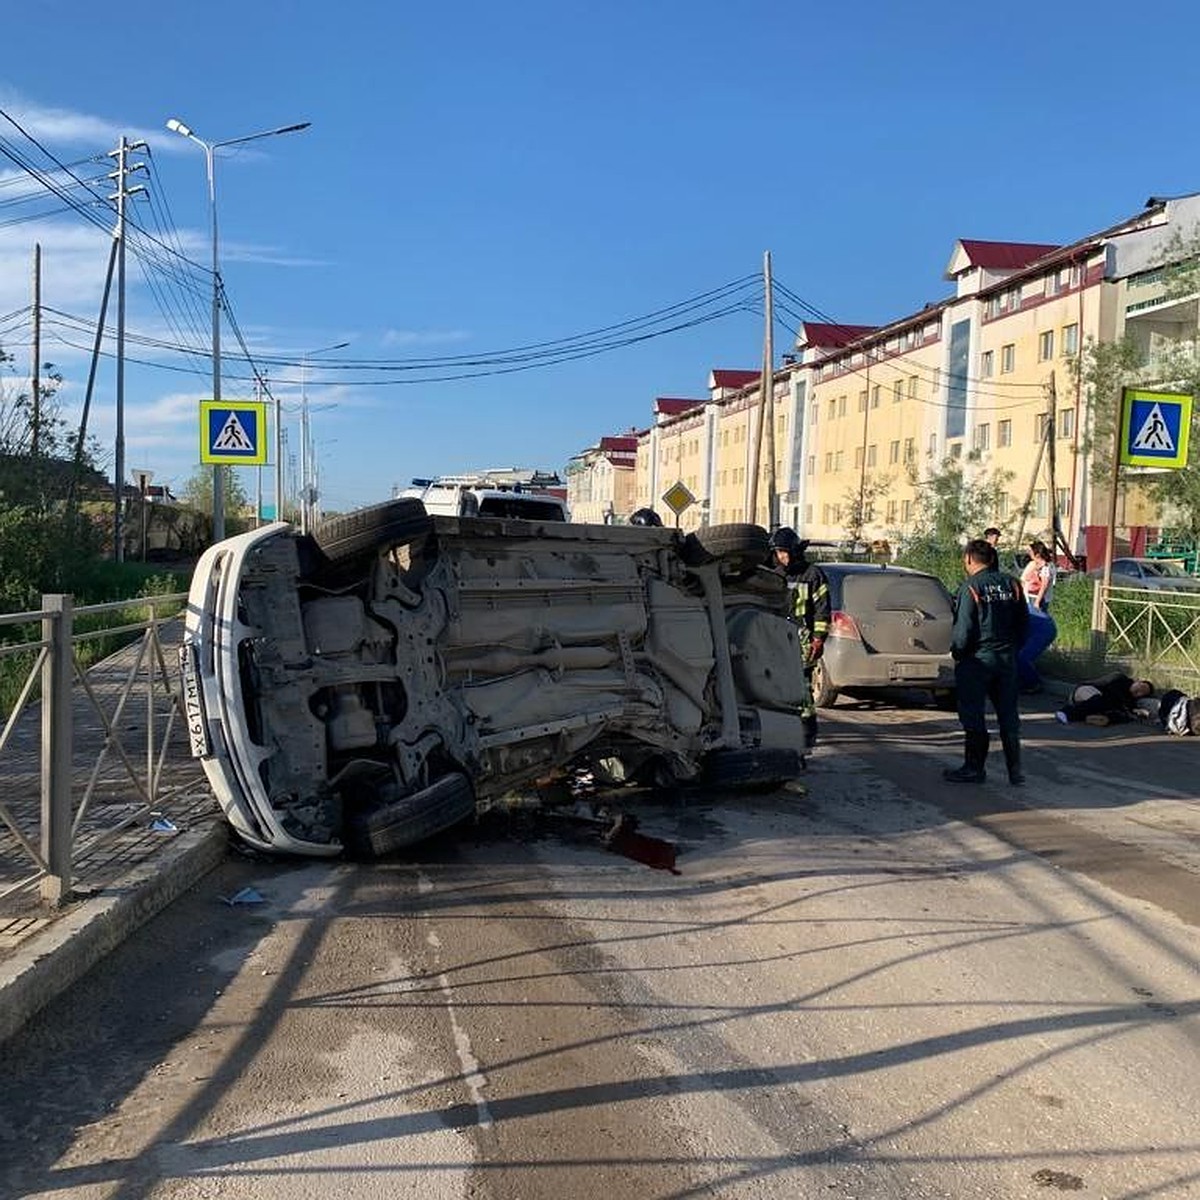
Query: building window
point(1070, 340)
point(870, 456)
point(828, 461)
point(1003, 505)
point(1046, 345)
point(862, 401)
point(808, 514)
point(932, 445)
point(832, 407)
point(1039, 502)
point(858, 458)
point(936, 380)
point(992, 308)
point(1003, 433)
point(894, 453)
point(910, 450)
point(841, 406)
point(987, 364)
point(813, 413)
point(811, 469)
point(875, 396)
point(1039, 426)
point(1064, 501)
point(891, 512)
point(1066, 423)
point(906, 511)
point(839, 461)
point(913, 387)
point(1008, 359)
point(897, 391)
point(956, 450)
point(983, 437)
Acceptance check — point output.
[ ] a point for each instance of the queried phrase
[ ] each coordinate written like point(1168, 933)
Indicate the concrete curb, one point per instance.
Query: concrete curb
point(74, 943)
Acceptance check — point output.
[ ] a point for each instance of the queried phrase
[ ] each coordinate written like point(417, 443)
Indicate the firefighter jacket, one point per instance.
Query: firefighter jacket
point(810, 601)
point(990, 618)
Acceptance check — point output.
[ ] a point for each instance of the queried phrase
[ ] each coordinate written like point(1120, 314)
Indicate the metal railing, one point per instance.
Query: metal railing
point(75, 754)
point(1155, 629)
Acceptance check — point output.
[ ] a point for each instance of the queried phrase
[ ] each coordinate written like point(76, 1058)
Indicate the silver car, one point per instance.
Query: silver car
point(375, 683)
point(1158, 574)
point(890, 627)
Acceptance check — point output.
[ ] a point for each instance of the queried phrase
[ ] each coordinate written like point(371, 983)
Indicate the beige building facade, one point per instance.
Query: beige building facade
point(601, 482)
point(861, 414)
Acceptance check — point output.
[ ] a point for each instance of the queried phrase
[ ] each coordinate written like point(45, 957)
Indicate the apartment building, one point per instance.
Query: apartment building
point(978, 376)
point(864, 412)
point(601, 481)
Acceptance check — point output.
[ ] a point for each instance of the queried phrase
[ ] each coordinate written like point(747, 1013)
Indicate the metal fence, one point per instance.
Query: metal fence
point(85, 749)
point(1153, 629)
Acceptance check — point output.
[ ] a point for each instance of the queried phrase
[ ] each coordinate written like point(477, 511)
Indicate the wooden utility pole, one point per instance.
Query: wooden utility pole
point(1051, 439)
point(766, 409)
point(35, 372)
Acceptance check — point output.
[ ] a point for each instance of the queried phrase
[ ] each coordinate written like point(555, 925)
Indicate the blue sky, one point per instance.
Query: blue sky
point(480, 176)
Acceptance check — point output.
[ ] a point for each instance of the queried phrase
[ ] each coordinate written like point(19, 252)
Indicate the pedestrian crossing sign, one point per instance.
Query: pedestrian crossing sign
point(233, 432)
point(1155, 428)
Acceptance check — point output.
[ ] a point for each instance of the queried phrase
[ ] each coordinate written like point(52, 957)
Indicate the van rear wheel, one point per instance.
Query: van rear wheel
point(356, 535)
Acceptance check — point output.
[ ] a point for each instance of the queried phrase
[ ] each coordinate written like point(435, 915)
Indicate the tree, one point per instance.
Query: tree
point(860, 504)
point(197, 493)
point(951, 507)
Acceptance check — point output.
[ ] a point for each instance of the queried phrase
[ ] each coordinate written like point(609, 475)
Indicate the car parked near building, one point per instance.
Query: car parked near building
point(1158, 574)
point(890, 627)
point(375, 682)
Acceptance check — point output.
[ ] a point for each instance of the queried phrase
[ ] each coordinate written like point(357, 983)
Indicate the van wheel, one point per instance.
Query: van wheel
point(739, 548)
point(761, 768)
point(355, 535)
point(412, 818)
point(824, 693)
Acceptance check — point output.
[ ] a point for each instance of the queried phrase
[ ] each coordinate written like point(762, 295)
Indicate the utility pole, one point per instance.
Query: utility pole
point(124, 168)
point(35, 366)
point(766, 408)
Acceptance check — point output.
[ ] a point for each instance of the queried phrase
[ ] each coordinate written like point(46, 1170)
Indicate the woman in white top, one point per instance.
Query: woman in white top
point(1039, 576)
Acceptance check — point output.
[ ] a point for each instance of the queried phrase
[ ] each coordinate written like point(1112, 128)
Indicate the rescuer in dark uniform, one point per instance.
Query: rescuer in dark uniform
point(990, 620)
point(809, 593)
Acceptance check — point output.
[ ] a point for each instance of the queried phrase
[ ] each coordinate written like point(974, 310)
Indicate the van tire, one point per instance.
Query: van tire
point(356, 535)
point(763, 768)
point(414, 817)
point(739, 548)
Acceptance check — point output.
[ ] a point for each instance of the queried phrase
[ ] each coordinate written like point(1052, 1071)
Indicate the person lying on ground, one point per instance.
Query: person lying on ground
point(1110, 700)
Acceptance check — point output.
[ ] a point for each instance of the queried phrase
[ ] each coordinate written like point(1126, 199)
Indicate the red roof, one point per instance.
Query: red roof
point(672, 408)
point(733, 379)
point(1003, 256)
point(627, 444)
point(832, 337)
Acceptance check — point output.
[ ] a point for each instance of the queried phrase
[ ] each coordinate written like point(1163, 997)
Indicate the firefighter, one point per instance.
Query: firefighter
point(990, 621)
point(809, 605)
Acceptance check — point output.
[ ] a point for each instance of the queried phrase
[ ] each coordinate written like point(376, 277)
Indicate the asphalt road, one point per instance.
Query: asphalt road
point(888, 987)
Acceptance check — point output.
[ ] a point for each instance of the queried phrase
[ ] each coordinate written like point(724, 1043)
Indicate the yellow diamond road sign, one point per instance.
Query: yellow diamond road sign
point(677, 498)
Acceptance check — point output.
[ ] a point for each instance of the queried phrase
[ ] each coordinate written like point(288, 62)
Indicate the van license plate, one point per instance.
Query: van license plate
point(193, 708)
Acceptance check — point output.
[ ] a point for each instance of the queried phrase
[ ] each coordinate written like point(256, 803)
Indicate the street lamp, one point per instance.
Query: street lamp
point(210, 148)
point(306, 455)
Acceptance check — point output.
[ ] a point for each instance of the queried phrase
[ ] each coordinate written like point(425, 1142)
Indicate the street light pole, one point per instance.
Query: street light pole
point(210, 149)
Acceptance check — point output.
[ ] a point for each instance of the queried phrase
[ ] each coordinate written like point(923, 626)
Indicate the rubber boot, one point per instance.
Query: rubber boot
point(809, 721)
point(973, 770)
point(1012, 759)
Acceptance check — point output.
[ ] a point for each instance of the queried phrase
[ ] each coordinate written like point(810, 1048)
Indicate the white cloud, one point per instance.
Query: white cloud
point(418, 337)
